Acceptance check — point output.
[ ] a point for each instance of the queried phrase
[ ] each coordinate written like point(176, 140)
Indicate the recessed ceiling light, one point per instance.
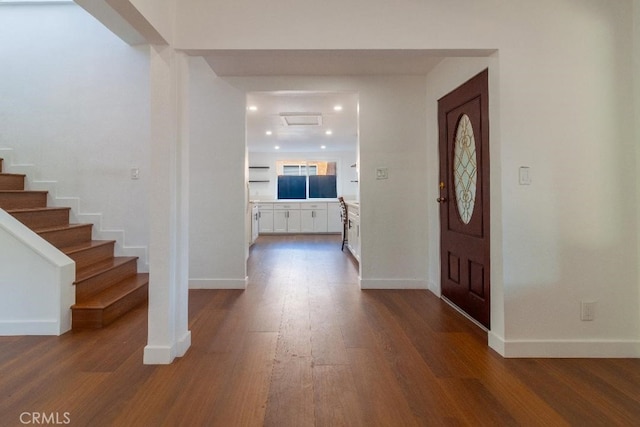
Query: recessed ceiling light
point(323, 146)
point(277, 147)
point(268, 132)
point(337, 108)
point(329, 132)
point(253, 108)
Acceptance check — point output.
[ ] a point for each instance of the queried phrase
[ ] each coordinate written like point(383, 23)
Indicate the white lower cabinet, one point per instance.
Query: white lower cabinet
point(303, 217)
point(334, 220)
point(286, 218)
point(255, 223)
point(353, 230)
point(313, 218)
point(265, 217)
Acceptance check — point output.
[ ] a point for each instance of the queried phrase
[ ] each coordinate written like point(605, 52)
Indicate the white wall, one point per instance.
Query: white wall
point(74, 100)
point(36, 282)
point(268, 190)
point(217, 181)
point(636, 80)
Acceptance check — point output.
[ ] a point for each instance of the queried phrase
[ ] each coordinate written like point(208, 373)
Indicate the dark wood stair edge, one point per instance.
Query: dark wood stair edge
point(24, 191)
point(111, 264)
point(62, 228)
point(36, 210)
point(113, 294)
point(113, 308)
point(91, 244)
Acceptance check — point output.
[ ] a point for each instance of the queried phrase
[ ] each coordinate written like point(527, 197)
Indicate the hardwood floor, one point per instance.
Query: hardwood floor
point(303, 346)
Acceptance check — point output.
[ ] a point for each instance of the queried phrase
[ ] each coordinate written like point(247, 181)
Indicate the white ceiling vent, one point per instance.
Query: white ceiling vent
point(301, 119)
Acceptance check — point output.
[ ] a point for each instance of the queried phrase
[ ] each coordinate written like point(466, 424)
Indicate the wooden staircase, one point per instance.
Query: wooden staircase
point(106, 286)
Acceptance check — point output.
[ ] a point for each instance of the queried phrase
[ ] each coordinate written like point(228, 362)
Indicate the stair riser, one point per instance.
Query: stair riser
point(92, 255)
point(11, 182)
point(43, 219)
point(97, 318)
point(23, 200)
point(68, 236)
point(88, 288)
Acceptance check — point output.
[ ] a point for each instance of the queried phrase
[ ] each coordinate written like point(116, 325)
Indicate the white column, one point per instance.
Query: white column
point(168, 336)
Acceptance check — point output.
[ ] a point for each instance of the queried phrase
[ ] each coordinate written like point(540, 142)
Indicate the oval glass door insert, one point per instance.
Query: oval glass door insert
point(465, 169)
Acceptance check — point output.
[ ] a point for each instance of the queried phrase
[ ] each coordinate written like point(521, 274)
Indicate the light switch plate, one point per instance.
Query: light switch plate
point(524, 175)
point(382, 173)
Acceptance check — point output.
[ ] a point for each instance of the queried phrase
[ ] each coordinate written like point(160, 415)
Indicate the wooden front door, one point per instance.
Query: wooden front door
point(463, 122)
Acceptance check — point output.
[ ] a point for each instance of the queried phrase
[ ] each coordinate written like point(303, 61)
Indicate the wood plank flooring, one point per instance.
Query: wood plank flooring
point(303, 346)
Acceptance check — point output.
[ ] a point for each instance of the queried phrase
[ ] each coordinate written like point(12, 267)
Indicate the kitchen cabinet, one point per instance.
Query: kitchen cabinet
point(353, 229)
point(313, 217)
point(334, 220)
point(299, 217)
point(286, 218)
point(265, 217)
point(255, 223)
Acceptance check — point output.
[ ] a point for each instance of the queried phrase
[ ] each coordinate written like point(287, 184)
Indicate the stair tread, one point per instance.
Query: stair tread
point(115, 292)
point(62, 227)
point(99, 267)
point(85, 245)
point(12, 174)
point(24, 191)
point(44, 209)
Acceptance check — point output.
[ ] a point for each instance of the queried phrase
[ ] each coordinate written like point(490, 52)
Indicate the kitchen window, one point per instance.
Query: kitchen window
point(306, 179)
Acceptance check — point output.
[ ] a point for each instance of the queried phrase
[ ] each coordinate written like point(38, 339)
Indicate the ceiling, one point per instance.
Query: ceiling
point(343, 124)
point(302, 121)
point(322, 62)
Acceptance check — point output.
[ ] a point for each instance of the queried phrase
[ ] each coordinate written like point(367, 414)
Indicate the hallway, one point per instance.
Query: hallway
point(303, 346)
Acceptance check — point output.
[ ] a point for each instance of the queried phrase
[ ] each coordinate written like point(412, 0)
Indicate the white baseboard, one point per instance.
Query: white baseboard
point(159, 354)
point(393, 284)
point(434, 288)
point(565, 348)
point(183, 344)
point(218, 283)
point(30, 327)
point(164, 355)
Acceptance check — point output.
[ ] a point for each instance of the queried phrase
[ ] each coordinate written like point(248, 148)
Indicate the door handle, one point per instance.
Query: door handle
point(441, 199)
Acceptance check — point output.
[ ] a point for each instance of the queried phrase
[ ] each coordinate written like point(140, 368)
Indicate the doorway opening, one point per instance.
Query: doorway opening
point(301, 155)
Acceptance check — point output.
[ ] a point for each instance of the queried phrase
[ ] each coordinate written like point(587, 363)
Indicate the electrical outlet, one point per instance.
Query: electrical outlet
point(587, 310)
point(135, 173)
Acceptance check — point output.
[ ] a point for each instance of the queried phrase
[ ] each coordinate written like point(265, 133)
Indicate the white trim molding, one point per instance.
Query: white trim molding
point(393, 284)
point(218, 283)
point(565, 348)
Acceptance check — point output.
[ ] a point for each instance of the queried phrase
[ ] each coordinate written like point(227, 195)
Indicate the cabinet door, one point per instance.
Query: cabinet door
point(334, 221)
point(320, 221)
point(280, 221)
point(306, 221)
point(293, 221)
point(354, 235)
point(265, 220)
point(255, 224)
